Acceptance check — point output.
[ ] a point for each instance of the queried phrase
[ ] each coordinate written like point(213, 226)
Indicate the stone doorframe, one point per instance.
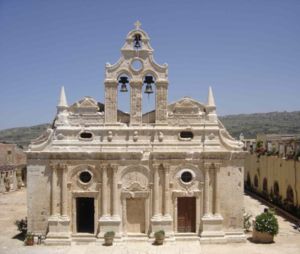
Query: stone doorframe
point(198, 194)
point(87, 194)
point(130, 195)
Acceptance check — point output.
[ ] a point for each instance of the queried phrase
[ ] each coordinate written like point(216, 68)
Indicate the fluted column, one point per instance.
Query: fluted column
point(104, 192)
point(166, 191)
point(216, 190)
point(54, 192)
point(136, 102)
point(64, 194)
point(206, 189)
point(155, 191)
point(114, 195)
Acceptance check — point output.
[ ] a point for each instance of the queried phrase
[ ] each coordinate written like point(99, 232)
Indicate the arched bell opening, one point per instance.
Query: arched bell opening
point(149, 92)
point(123, 97)
point(137, 41)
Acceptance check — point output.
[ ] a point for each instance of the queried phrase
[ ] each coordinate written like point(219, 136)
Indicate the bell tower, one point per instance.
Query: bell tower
point(138, 69)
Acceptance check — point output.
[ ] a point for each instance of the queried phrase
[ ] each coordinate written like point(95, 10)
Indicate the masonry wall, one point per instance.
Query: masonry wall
point(273, 168)
point(231, 197)
point(38, 196)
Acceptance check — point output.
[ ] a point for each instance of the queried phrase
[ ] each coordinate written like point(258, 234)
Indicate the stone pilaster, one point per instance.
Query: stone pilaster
point(136, 102)
point(115, 196)
point(111, 101)
point(212, 224)
point(161, 102)
point(64, 189)
point(206, 189)
point(167, 192)
point(59, 222)
point(54, 192)
point(104, 192)
point(216, 190)
point(156, 213)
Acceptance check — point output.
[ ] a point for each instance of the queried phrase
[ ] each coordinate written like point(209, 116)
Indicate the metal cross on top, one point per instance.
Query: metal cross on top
point(137, 25)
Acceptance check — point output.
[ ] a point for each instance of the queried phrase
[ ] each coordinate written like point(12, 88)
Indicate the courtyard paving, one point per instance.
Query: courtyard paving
point(13, 206)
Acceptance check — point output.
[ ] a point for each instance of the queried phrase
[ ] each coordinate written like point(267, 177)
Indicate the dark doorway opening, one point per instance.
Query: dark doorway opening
point(186, 216)
point(85, 215)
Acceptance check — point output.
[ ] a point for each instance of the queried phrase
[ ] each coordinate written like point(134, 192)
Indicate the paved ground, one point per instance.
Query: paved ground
point(13, 206)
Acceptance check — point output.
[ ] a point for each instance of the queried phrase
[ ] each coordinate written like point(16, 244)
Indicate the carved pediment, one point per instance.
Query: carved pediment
point(186, 106)
point(87, 102)
point(134, 187)
point(86, 105)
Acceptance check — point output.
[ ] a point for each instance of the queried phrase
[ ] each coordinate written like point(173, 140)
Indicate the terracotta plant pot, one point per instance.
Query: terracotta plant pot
point(262, 237)
point(29, 241)
point(159, 241)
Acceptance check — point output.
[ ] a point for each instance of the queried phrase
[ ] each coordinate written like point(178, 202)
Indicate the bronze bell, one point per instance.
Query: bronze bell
point(123, 81)
point(148, 89)
point(149, 81)
point(137, 41)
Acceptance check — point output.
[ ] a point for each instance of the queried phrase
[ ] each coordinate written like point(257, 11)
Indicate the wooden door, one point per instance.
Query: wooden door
point(135, 209)
point(186, 214)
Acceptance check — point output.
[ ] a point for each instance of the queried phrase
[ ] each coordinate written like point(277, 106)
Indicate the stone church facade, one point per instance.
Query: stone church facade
point(98, 169)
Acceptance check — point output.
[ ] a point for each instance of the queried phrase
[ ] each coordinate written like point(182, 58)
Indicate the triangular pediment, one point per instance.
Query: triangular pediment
point(186, 105)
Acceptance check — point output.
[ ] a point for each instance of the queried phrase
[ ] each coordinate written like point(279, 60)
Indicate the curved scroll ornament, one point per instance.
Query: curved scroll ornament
point(42, 141)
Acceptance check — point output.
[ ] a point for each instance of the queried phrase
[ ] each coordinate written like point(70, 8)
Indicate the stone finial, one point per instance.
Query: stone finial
point(137, 25)
point(210, 99)
point(62, 99)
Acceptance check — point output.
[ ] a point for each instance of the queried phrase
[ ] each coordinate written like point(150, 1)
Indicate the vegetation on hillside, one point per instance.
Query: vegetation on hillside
point(248, 124)
point(252, 124)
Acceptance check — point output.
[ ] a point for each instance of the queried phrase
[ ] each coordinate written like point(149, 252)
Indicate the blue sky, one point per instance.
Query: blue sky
point(248, 51)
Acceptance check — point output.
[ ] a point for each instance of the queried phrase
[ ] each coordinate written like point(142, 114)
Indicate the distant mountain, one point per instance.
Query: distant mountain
point(248, 124)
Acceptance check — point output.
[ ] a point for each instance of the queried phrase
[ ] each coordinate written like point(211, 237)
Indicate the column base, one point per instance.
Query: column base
point(109, 223)
point(212, 231)
point(165, 223)
point(59, 231)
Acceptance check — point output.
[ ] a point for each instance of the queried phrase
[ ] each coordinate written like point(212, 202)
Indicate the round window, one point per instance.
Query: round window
point(137, 65)
point(186, 177)
point(85, 176)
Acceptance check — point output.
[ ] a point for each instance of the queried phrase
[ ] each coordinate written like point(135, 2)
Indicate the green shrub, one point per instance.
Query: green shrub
point(266, 222)
point(109, 234)
point(159, 234)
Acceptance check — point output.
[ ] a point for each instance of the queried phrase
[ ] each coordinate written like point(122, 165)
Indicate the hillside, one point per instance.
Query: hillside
point(248, 124)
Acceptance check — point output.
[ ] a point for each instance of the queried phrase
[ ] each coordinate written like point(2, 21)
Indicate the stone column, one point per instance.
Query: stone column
point(166, 191)
point(155, 191)
point(161, 101)
point(114, 195)
point(104, 192)
point(111, 101)
point(206, 188)
point(136, 102)
point(216, 190)
point(124, 215)
point(64, 189)
point(54, 191)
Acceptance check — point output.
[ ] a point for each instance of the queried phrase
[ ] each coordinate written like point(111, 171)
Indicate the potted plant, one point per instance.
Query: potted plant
point(265, 227)
point(109, 238)
point(29, 239)
point(159, 237)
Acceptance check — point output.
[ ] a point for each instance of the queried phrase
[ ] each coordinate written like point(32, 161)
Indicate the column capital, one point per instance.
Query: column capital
point(212, 165)
point(113, 167)
point(111, 82)
point(136, 83)
point(162, 83)
point(166, 167)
